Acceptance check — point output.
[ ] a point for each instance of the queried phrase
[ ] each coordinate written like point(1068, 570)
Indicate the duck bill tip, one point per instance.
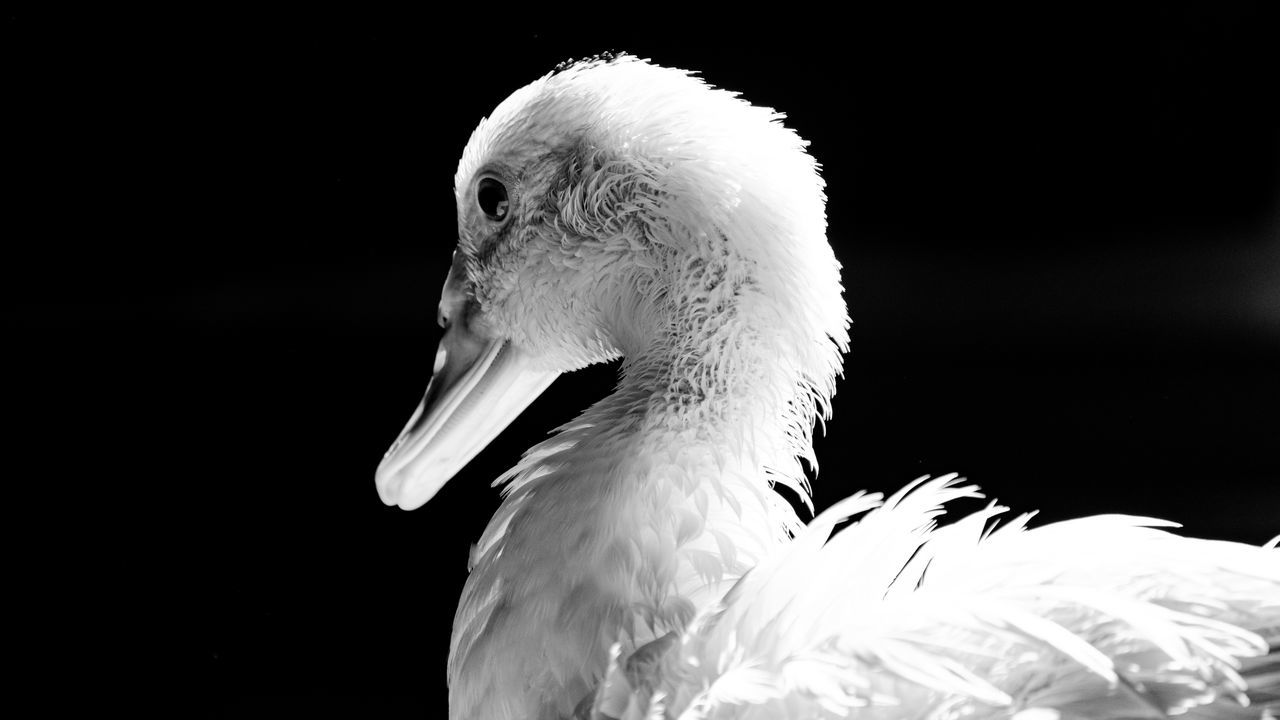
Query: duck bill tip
point(477, 389)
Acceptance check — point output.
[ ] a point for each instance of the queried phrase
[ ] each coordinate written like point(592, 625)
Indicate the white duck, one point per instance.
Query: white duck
point(616, 208)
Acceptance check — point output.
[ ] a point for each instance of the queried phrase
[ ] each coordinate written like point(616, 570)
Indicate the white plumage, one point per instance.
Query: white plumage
point(642, 565)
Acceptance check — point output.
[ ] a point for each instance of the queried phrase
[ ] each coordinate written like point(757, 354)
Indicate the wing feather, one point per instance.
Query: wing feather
point(1108, 616)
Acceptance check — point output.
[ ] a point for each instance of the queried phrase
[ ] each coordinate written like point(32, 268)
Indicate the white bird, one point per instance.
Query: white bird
point(642, 564)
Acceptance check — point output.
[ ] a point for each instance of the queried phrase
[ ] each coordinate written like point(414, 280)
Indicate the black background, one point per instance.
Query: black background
point(226, 236)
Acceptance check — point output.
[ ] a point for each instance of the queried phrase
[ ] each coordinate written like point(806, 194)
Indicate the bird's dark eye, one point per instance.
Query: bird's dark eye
point(491, 195)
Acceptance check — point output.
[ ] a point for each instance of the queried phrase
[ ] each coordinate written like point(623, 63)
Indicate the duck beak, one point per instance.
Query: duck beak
point(479, 385)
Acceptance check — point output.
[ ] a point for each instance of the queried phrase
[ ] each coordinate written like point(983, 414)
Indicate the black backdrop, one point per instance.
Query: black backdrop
point(227, 233)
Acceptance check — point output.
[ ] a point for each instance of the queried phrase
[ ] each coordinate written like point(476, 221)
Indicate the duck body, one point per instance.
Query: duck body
point(642, 563)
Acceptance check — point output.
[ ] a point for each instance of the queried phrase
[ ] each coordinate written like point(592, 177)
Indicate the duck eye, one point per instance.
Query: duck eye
point(491, 195)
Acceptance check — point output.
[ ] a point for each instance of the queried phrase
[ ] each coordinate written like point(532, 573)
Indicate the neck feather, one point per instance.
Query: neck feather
point(641, 511)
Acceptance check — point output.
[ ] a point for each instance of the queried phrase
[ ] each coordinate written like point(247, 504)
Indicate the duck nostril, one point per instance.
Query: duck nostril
point(442, 318)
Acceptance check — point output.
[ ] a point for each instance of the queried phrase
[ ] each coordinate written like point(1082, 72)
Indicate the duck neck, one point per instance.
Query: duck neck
point(715, 378)
point(719, 397)
point(636, 515)
point(707, 418)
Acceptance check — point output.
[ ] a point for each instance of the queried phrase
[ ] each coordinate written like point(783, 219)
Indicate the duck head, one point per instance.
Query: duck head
point(617, 208)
